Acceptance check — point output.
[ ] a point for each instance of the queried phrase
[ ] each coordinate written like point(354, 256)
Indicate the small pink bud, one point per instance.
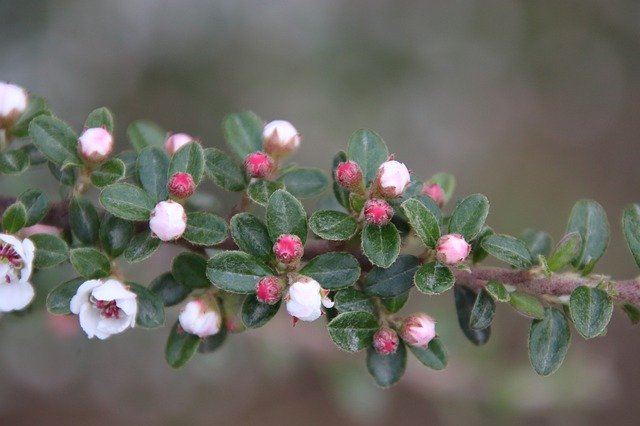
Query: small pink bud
point(349, 175)
point(40, 228)
point(13, 102)
point(181, 185)
point(377, 211)
point(288, 248)
point(258, 164)
point(168, 220)
point(393, 177)
point(269, 290)
point(385, 341)
point(280, 138)
point(95, 145)
point(452, 249)
point(434, 191)
point(418, 330)
point(176, 141)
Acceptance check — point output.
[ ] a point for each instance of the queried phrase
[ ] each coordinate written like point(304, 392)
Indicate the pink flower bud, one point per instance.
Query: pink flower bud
point(288, 248)
point(258, 164)
point(452, 249)
point(40, 228)
point(269, 290)
point(393, 177)
point(181, 185)
point(385, 341)
point(418, 330)
point(177, 141)
point(280, 138)
point(200, 319)
point(95, 145)
point(168, 220)
point(377, 211)
point(349, 175)
point(434, 191)
point(13, 102)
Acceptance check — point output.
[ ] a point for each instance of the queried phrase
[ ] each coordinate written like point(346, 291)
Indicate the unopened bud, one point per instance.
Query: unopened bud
point(269, 290)
point(435, 192)
point(377, 211)
point(418, 330)
point(392, 179)
point(349, 175)
point(168, 220)
point(288, 248)
point(385, 341)
point(95, 144)
point(280, 138)
point(200, 319)
point(13, 102)
point(176, 141)
point(452, 249)
point(258, 164)
point(181, 185)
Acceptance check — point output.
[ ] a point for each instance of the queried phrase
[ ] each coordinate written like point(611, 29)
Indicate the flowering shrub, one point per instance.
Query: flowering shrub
point(388, 235)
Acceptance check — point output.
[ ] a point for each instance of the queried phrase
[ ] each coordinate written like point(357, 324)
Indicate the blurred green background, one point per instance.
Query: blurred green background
point(534, 104)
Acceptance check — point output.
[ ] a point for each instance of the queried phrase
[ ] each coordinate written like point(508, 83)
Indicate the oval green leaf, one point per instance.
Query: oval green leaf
point(381, 244)
point(433, 278)
point(127, 202)
point(353, 331)
point(387, 369)
point(469, 216)
point(392, 281)
point(333, 225)
point(89, 262)
point(434, 356)
point(285, 215)
point(223, 171)
point(255, 314)
point(333, 271)
point(591, 310)
point(251, 236)
point(181, 346)
point(367, 149)
point(508, 249)
point(205, 229)
point(304, 182)
point(423, 221)
point(589, 219)
point(549, 340)
point(236, 271)
point(190, 270)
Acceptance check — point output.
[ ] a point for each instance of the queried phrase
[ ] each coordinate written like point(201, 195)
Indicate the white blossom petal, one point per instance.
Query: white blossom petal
point(15, 295)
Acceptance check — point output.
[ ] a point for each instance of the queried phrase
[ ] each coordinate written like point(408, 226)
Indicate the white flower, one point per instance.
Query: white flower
point(305, 299)
point(393, 178)
point(200, 319)
point(177, 141)
point(13, 102)
point(16, 263)
point(105, 307)
point(280, 138)
point(168, 220)
point(95, 144)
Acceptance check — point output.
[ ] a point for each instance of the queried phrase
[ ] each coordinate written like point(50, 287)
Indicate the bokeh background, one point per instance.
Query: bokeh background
point(535, 104)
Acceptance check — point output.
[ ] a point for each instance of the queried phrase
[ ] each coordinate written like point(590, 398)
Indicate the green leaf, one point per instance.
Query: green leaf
point(631, 229)
point(84, 220)
point(236, 271)
point(352, 300)
point(447, 182)
point(285, 215)
point(565, 252)
point(37, 204)
point(189, 158)
point(498, 291)
point(465, 299)
point(59, 299)
point(393, 281)
point(13, 162)
point(255, 314)
point(434, 356)
point(100, 117)
point(482, 312)
point(130, 160)
point(170, 291)
point(381, 244)
point(353, 331)
point(537, 242)
point(223, 171)
point(115, 235)
point(141, 246)
point(333, 270)
point(356, 202)
point(252, 236)
point(50, 250)
point(304, 182)
point(143, 134)
point(243, 133)
point(14, 218)
point(333, 225)
point(632, 312)
point(394, 304)
point(434, 278)
point(181, 346)
point(153, 166)
point(526, 304)
point(205, 229)
point(127, 202)
point(37, 106)
point(387, 369)
point(469, 215)
point(589, 219)
point(549, 340)
point(89, 262)
point(190, 270)
point(55, 140)
point(423, 222)
point(211, 343)
point(508, 249)
point(150, 307)
point(591, 310)
point(368, 150)
point(66, 176)
point(341, 194)
point(108, 173)
point(260, 190)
